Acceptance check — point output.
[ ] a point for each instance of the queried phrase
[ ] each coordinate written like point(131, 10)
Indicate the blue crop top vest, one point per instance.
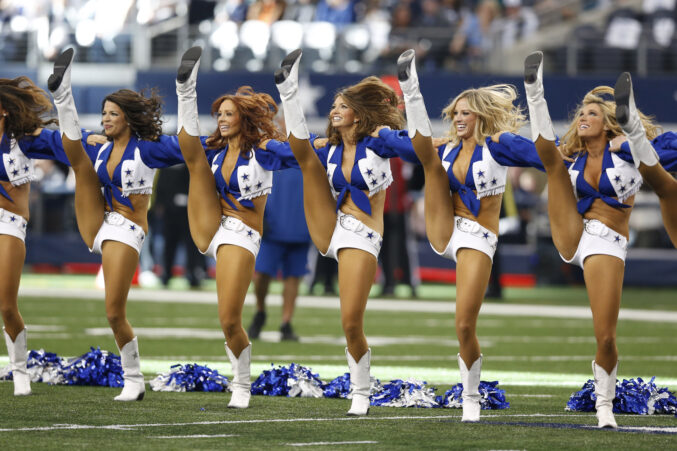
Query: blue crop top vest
point(17, 155)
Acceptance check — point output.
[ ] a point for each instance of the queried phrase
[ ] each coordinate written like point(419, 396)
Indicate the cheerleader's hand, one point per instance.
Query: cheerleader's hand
point(320, 142)
point(93, 140)
point(378, 129)
point(263, 144)
point(615, 144)
point(437, 142)
point(496, 137)
point(564, 157)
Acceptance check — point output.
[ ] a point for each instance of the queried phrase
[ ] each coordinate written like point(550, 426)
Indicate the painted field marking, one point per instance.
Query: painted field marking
point(364, 442)
point(195, 436)
point(203, 297)
point(635, 429)
point(584, 415)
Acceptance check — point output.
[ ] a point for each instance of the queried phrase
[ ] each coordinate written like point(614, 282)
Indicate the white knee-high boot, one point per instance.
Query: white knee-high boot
point(417, 116)
point(241, 383)
point(605, 390)
point(59, 83)
point(287, 82)
point(360, 379)
point(629, 120)
point(135, 387)
point(186, 80)
point(470, 378)
point(539, 116)
point(18, 358)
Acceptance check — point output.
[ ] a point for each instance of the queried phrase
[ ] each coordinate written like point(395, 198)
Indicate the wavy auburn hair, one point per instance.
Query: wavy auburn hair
point(143, 111)
point(26, 106)
point(257, 113)
point(602, 96)
point(494, 108)
point(374, 103)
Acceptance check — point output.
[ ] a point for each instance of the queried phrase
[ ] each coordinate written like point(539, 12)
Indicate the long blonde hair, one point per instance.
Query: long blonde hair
point(572, 143)
point(494, 108)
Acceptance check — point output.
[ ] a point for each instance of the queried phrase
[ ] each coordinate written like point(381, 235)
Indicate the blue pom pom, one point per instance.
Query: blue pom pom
point(190, 377)
point(491, 397)
point(399, 393)
point(295, 380)
point(632, 396)
point(97, 367)
point(338, 388)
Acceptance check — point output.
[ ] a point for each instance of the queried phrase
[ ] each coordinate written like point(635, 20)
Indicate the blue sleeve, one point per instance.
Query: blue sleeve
point(624, 153)
point(514, 150)
point(276, 155)
point(666, 148)
point(46, 146)
point(322, 152)
point(93, 149)
point(394, 143)
point(166, 152)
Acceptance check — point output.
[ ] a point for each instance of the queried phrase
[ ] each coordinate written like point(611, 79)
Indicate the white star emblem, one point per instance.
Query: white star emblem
point(309, 96)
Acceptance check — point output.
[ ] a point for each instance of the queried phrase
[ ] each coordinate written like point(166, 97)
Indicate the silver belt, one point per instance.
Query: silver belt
point(474, 228)
point(598, 228)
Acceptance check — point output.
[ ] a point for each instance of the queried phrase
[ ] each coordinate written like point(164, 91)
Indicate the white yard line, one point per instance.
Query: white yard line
point(194, 436)
point(203, 297)
point(456, 416)
point(363, 442)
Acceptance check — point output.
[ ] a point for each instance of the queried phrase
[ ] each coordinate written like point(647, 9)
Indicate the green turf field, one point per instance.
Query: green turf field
point(538, 343)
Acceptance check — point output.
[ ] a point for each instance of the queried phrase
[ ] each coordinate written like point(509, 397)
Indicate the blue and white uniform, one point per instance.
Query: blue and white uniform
point(486, 177)
point(619, 181)
point(17, 169)
point(251, 178)
point(134, 174)
point(370, 173)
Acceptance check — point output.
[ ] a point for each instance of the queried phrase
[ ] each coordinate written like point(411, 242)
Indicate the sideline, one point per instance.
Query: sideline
point(504, 309)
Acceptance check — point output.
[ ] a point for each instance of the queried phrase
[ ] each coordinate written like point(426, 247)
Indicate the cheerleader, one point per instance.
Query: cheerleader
point(229, 185)
point(464, 184)
point(344, 183)
point(22, 138)
point(113, 185)
point(589, 223)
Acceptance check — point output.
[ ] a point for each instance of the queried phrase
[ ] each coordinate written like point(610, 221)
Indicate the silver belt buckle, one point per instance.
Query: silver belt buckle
point(350, 222)
point(114, 218)
point(595, 227)
point(232, 224)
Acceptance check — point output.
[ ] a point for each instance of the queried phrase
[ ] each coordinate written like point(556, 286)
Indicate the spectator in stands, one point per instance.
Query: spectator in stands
point(638, 133)
point(226, 206)
point(345, 213)
point(235, 10)
point(472, 40)
point(284, 247)
point(268, 11)
point(589, 223)
point(23, 107)
point(302, 11)
point(338, 12)
point(113, 184)
point(518, 22)
point(464, 184)
point(171, 204)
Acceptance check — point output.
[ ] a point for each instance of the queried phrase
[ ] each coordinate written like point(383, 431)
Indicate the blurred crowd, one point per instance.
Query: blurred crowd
point(350, 35)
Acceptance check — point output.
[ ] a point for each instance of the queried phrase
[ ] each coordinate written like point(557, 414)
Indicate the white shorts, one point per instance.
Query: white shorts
point(234, 231)
point(469, 234)
point(350, 232)
point(598, 239)
point(116, 227)
point(12, 224)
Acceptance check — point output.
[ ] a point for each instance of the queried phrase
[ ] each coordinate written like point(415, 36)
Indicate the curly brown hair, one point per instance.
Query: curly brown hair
point(374, 103)
point(143, 111)
point(602, 96)
point(257, 112)
point(26, 106)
